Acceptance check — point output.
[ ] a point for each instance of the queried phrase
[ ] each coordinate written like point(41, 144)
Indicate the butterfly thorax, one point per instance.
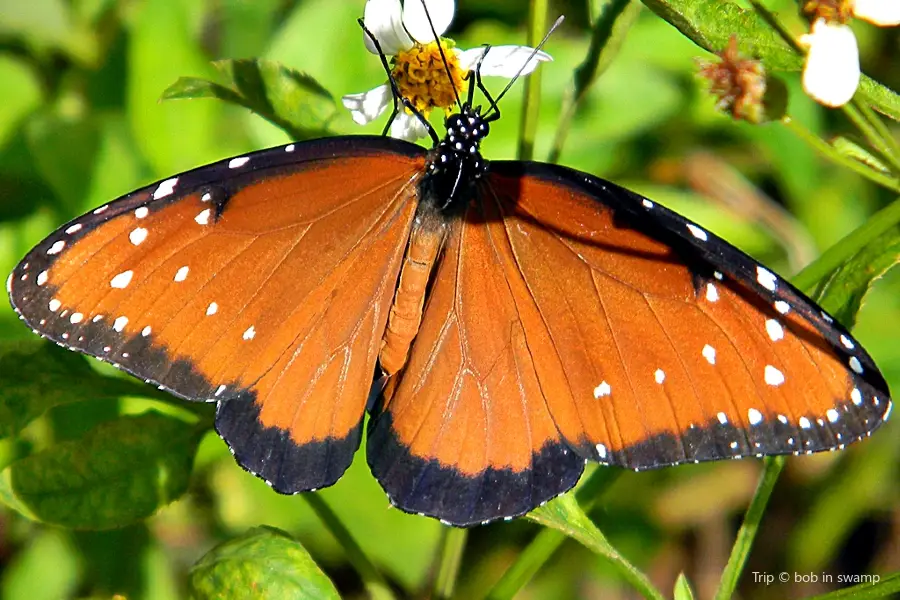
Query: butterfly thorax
point(455, 164)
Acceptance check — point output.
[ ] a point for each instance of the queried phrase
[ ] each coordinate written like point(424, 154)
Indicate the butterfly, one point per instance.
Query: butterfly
point(519, 319)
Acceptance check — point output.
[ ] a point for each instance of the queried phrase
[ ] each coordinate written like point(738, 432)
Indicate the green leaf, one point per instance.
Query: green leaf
point(288, 99)
point(120, 472)
point(36, 376)
point(843, 275)
point(683, 589)
point(263, 563)
point(565, 515)
point(711, 23)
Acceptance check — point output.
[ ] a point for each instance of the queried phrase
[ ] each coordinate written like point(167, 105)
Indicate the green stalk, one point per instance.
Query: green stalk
point(537, 26)
point(744, 542)
point(373, 581)
point(854, 112)
point(451, 557)
point(828, 151)
point(612, 21)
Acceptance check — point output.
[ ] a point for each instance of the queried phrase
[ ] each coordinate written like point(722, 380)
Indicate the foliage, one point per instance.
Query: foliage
point(97, 466)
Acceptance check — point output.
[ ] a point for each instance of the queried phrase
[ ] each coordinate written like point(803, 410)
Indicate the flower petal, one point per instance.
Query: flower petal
point(415, 18)
point(878, 12)
point(503, 61)
point(369, 105)
point(408, 127)
point(384, 19)
point(831, 73)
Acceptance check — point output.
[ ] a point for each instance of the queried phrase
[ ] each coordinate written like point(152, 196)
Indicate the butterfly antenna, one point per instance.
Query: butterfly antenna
point(437, 40)
point(397, 97)
point(525, 64)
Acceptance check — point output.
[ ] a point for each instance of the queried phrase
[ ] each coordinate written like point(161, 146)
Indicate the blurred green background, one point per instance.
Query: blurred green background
point(81, 123)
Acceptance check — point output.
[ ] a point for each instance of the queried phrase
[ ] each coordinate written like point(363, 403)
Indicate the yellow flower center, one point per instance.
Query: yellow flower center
point(422, 78)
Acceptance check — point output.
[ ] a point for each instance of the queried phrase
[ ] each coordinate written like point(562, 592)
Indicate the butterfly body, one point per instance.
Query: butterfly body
point(528, 318)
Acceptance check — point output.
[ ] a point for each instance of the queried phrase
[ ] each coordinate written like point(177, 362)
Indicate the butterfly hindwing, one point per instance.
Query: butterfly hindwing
point(465, 433)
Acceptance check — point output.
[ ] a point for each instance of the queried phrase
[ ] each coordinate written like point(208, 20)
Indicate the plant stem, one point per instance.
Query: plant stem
point(741, 549)
point(827, 150)
point(451, 557)
point(613, 19)
point(373, 581)
point(537, 25)
point(854, 112)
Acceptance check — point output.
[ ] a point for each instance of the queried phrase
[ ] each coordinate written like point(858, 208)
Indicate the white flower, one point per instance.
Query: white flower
point(406, 38)
point(878, 12)
point(831, 73)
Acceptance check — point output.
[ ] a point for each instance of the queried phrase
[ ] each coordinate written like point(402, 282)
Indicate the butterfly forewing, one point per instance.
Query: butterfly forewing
point(657, 343)
point(263, 282)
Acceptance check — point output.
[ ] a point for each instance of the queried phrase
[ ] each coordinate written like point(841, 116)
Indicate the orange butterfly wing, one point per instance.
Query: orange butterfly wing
point(263, 282)
point(571, 319)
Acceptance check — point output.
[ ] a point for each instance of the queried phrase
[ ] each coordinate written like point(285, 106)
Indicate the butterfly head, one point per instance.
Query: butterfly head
point(455, 165)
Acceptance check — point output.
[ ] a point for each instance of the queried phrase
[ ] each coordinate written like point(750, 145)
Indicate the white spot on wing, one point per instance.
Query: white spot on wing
point(847, 342)
point(137, 236)
point(832, 415)
point(659, 376)
point(203, 217)
point(240, 161)
point(601, 451)
point(206, 197)
point(212, 309)
point(766, 278)
point(804, 423)
point(289, 148)
point(723, 418)
point(773, 376)
point(709, 353)
point(712, 294)
point(856, 365)
point(146, 331)
point(697, 232)
point(219, 390)
point(755, 417)
point(162, 190)
point(57, 247)
point(42, 278)
point(783, 419)
point(250, 333)
point(74, 228)
point(120, 323)
point(54, 305)
point(181, 274)
point(601, 390)
point(121, 280)
point(782, 307)
point(76, 318)
point(103, 208)
point(141, 212)
point(647, 203)
point(856, 396)
point(774, 329)
point(97, 319)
